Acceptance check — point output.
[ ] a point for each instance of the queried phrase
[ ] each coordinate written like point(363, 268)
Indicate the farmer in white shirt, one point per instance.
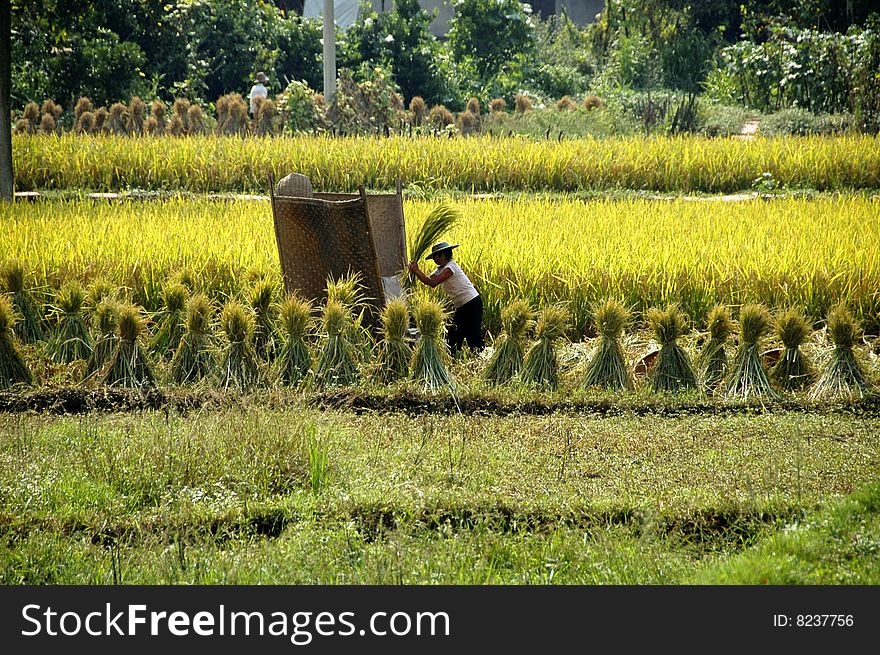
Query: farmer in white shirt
point(468, 317)
point(258, 90)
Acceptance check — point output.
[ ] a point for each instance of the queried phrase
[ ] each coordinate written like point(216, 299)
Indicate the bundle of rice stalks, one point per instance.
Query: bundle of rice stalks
point(238, 360)
point(843, 376)
point(794, 370)
point(13, 369)
point(294, 360)
point(350, 292)
point(747, 376)
point(337, 364)
point(439, 220)
point(673, 370)
point(194, 358)
point(98, 290)
point(541, 365)
point(129, 366)
point(507, 359)
point(430, 356)
point(29, 327)
point(71, 340)
point(394, 351)
point(263, 303)
point(608, 368)
point(170, 321)
point(106, 323)
point(713, 358)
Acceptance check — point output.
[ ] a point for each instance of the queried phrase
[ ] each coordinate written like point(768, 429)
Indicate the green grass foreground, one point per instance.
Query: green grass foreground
point(300, 495)
point(478, 163)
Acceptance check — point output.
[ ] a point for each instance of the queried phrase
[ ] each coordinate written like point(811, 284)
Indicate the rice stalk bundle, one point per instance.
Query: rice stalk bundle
point(507, 359)
point(607, 368)
point(238, 360)
point(129, 367)
point(349, 291)
point(71, 340)
point(541, 365)
point(394, 351)
point(294, 360)
point(170, 322)
point(13, 369)
point(673, 370)
point(194, 358)
point(337, 363)
point(713, 358)
point(98, 290)
point(263, 303)
point(29, 327)
point(794, 370)
point(842, 376)
point(106, 323)
point(747, 376)
point(430, 356)
point(439, 220)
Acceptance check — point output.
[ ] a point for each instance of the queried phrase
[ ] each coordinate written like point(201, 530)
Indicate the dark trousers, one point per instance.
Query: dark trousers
point(467, 326)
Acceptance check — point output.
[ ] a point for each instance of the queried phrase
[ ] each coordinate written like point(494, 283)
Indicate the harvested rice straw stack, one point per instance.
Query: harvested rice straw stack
point(194, 358)
point(794, 370)
point(294, 360)
point(13, 369)
point(238, 368)
point(263, 304)
point(129, 366)
point(541, 366)
point(166, 340)
point(30, 326)
point(673, 370)
point(430, 357)
point(394, 351)
point(747, 376)
point(106, 323)
point(608, 367)
point(507, 360)
point(439, 220)
point(843, 376)
point(349, 291)
point(71, 340)
point(713, 358)
point(97, 291)
point(337, 363)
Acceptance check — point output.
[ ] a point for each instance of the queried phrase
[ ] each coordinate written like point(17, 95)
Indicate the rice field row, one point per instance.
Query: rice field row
point(481, 163)
point(806, 253)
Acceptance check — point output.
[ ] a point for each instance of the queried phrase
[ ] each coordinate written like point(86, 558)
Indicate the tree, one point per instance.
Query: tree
point(6, 176)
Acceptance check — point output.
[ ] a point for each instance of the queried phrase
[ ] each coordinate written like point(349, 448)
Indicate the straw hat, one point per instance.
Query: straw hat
point(261, 77)
point(437, 248)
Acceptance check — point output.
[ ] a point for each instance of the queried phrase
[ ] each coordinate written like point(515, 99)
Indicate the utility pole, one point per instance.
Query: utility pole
point(329, 53)
point(7, 180)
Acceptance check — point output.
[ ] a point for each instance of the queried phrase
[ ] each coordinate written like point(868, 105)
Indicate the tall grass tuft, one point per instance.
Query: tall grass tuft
point(541, 366)
point(238, 368)
point(71, 340)
point(794, 370)
point(194, 358)
point(507, 359)
point(608, 367)
point(430, 357)
point(713, 358)
point(294, 360)
point(337, 363)
point(129, 366)
point(394, 352)
point(262, 300)
point(673, 370)
point(748, 377)
point(843, 376)
point(106, 324)
point(13, 369)
point(167, 337)
point(29, 327)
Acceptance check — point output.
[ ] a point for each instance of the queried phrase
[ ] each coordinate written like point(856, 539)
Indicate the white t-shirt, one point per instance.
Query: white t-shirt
point(257, 90)
point(458, 287)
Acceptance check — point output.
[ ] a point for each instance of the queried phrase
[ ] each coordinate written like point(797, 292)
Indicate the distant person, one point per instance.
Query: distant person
point(468, 317)
point(258, 90)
